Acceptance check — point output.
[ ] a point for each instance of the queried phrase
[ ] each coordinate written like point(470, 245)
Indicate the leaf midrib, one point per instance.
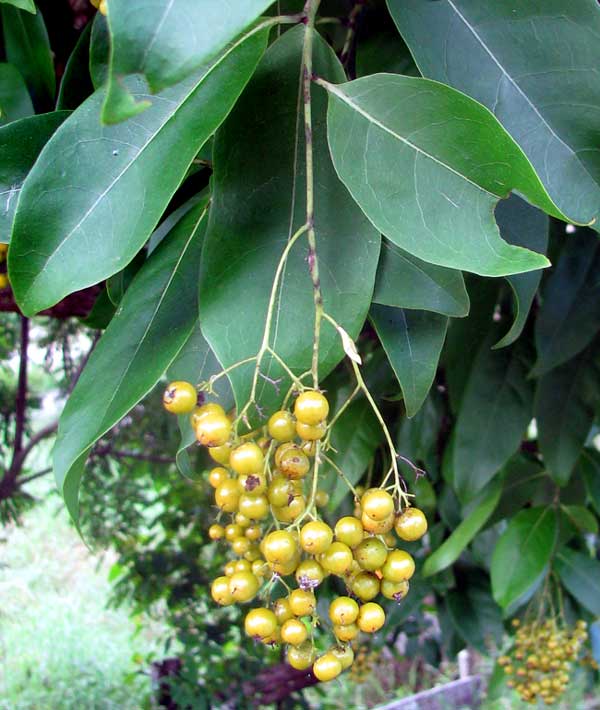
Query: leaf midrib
point(517, 87)
point(157, 132)
point(342, 96)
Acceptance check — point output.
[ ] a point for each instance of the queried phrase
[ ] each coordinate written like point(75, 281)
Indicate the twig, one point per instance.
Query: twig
point(138, 456)
point(21, 399)
point(39, 474)
point(348, 48)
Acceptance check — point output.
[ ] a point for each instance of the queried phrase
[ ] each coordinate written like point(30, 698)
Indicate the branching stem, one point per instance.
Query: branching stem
point(310, 10)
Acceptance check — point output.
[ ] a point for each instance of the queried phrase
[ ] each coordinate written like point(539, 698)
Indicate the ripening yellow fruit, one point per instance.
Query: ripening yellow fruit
point(311, 407)
point(411, 525)
point(180, 397)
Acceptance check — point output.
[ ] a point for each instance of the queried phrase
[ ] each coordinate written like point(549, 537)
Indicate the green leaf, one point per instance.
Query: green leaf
point(522, 554)
point(418, 437)
point(405, 281)
point(117, 284)
point(451, 548)
point(525, 226)
point(15, 101)
point(412, 341)
point(474, 613)
point(20, 144)
point(99, 51)
point(165, 42)
point(194, 363)
point(533, 64)
point(76, 84)
point(96, 193)
point(430, 177)
point(28, 5)
point(522, 479)
point(580, 574)
point(27, 47)
point(496, 409)
point(384, 51)
point(589, 465)
point(102, 312)
point(354, 438)
point(153, 322)
point(570, 314)
point(465, 336)
point(258, 202)
point(581, 518)
point(565, 402)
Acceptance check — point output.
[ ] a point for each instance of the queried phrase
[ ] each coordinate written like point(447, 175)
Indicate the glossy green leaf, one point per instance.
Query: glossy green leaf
point(15, 101)
point(534, 65)
point(20, 145)
point(171, 220)
point(194, 363)
point(99, 51)
point(570, 313)
point(412, 341)
point(496, 409)
point(525, 226)
point(117, 284)
point(430, 178)
point(153, 322)
point(418, 437)
point(565, 402)
point(356, 435)
point(465, 336)
point(405, 281)
point(589, 465)
point(580, 574)
point(102, 312)
point(96, 193)
point(258, 201)
point(580, 518)
point(27, 47)
point(522, 553)
point(28, 5)
point(76, 83)
point(461, 536)
point(474, 613)
point(165, 42)
point(522, 478)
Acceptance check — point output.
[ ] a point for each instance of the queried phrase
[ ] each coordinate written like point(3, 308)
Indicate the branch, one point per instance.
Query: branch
point(21, 399)
point(39, 474)
point(10, 482)
point(138, 456)
point(347, 54)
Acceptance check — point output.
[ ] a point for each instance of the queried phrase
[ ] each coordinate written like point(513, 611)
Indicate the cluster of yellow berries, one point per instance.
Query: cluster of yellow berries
point(364, 662)
point(540, 662)
point(100, 5)
point(261, 477)
point(4, 282)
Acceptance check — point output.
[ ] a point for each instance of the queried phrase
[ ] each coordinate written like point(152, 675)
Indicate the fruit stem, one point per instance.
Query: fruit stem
point(341, 474)
point(310, 11)
point(339, 413)
point(310, 508)
point(398, 488)
point(265, 347)
point(207, 386)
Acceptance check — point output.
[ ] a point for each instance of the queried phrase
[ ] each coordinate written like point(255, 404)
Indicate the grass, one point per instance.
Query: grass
point(60, 647)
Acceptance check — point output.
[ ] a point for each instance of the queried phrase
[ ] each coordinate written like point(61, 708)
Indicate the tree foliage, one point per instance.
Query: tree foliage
point(425, 174)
